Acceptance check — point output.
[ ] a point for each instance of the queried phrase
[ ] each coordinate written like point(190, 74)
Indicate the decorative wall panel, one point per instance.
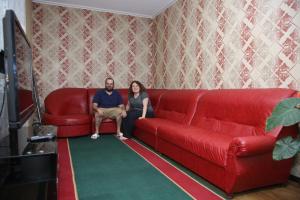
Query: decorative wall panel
point(229, 44)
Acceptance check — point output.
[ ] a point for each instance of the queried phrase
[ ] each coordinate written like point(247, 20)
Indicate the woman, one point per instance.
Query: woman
point(138, 107)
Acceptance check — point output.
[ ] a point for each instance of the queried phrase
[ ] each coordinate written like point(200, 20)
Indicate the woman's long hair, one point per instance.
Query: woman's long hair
point(142, 88)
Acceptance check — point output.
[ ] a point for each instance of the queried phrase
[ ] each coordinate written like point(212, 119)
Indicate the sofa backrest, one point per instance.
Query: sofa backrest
point(238, 112)
point(92, 91)
point(65, 101)
point(124, 94)
point(155, 96)
point(178, 105)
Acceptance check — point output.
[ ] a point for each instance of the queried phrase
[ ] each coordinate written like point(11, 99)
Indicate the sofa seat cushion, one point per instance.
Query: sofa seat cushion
point(108, 120)
point(209, 145)
point(67, 120)
point(150, 125)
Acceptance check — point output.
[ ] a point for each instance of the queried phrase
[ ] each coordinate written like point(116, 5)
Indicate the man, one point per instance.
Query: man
point(108, 103)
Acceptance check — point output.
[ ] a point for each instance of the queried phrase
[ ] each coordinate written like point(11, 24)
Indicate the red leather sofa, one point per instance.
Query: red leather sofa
point(70, 109)
point(218, 134)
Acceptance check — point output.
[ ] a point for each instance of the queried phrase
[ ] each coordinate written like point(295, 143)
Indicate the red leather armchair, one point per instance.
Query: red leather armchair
point(67, 108)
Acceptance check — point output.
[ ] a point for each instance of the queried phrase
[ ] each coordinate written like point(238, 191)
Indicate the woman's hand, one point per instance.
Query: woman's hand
point(141, 117)
point(127, 107)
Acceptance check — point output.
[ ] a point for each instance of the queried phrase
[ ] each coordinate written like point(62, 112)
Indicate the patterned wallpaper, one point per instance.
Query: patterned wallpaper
point(193, 44)
point(229, 44)
point(79, 48)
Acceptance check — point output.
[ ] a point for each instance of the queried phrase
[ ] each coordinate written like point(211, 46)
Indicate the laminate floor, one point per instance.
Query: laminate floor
point(289, 191)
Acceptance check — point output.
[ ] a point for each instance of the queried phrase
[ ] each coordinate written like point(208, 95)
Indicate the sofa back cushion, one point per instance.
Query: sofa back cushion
point(178, 105)
point(92, 92)
point(66, 101)
point(238, 112)
point(155, 96)
point(124, 94)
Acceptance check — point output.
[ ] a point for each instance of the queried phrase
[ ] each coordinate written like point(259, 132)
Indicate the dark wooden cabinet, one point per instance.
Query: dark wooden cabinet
point(31, 175)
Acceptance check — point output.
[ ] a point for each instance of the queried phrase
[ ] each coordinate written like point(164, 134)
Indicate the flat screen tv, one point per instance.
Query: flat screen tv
point(21, 96)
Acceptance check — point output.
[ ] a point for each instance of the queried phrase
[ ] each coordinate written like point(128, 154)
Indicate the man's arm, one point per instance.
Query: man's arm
point(95, 106)
point(96, 100)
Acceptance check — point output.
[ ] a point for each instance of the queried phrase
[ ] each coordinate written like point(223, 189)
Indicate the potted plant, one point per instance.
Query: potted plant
point(286, 113)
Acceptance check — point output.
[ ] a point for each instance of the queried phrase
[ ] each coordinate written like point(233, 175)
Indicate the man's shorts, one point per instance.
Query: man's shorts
point(111, 112)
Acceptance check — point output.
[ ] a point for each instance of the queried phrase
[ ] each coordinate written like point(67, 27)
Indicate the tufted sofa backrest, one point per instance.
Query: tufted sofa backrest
point(155, 96)
point(238, 112)
point(124, 94)
point(178, 105)
point(67, 101)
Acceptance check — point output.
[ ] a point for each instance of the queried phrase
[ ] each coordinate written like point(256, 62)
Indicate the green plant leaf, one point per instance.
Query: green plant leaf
point(286, 148)
point(285, 113)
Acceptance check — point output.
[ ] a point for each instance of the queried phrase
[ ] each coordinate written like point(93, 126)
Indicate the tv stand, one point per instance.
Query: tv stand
point(33, 174)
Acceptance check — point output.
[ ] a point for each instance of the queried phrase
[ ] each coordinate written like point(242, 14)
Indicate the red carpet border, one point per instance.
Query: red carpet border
point(65, 185)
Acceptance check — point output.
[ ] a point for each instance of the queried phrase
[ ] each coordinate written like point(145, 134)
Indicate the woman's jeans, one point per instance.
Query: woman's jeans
point(128, 122)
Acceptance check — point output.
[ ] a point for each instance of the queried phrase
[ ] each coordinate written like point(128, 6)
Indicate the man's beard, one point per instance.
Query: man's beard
point(109, 89)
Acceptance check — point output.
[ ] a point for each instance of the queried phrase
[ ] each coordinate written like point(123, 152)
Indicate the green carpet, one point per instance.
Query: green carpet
point(107, 169)
point(188, 172)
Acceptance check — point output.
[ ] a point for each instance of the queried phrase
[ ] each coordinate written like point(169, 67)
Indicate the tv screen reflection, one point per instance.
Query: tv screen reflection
point(23, 62)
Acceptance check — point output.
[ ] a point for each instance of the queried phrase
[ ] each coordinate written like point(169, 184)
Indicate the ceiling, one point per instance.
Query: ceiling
point(139, 8)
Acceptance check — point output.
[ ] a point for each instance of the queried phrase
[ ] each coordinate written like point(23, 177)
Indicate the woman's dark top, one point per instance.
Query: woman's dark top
point(137, 103)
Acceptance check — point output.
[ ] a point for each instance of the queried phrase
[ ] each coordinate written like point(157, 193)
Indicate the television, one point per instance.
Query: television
point(21, 100)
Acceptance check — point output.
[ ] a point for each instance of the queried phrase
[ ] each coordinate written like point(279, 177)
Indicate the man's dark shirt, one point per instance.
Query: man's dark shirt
point(105, 100)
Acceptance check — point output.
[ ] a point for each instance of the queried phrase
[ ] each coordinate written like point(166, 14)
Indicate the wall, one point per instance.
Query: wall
point(28, 13)
point(19, 7)
point(193, 44)
point(79, 48)
point(229, 44)
point(3, 109)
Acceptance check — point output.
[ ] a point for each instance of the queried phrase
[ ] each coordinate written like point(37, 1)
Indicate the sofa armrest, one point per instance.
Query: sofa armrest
point(251, 145)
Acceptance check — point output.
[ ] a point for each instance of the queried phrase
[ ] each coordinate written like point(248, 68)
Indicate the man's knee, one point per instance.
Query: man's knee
point(117, 113)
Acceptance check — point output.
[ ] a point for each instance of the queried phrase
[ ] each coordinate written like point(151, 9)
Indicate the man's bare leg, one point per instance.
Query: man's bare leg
point(119, 121)
point(98, 120)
